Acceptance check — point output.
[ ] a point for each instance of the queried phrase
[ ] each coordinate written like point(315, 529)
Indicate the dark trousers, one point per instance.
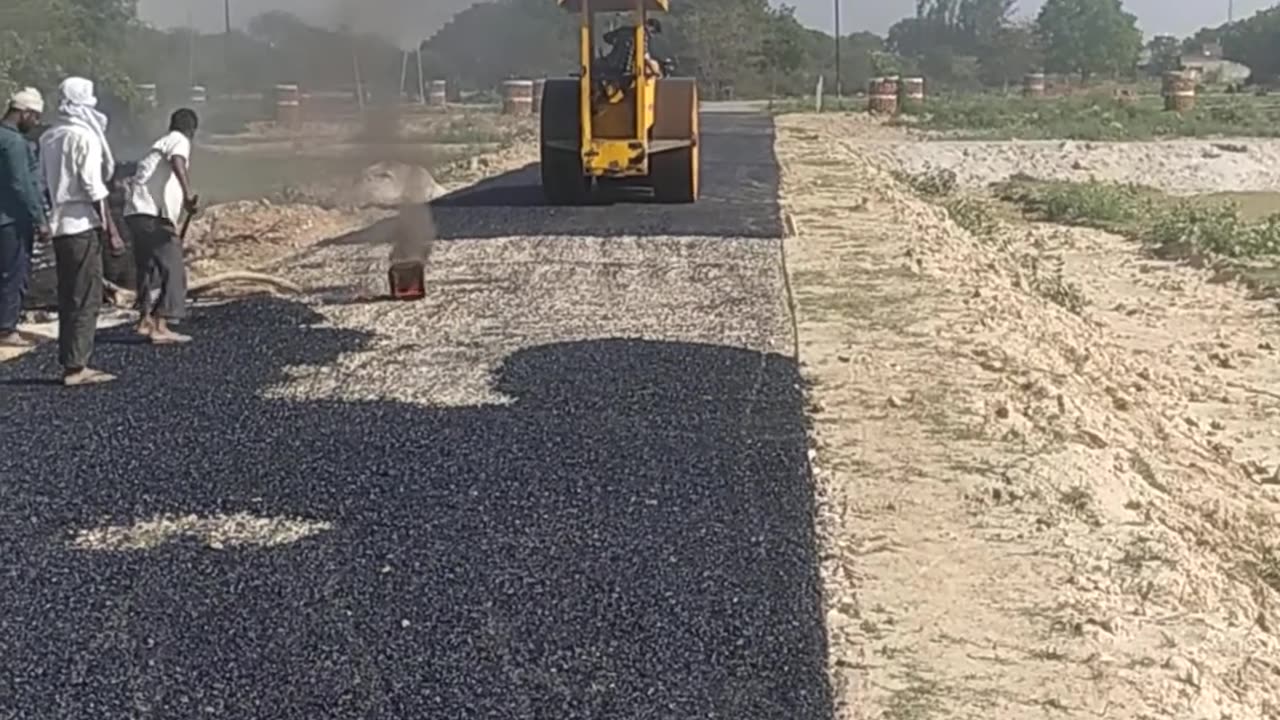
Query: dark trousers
point(16, 244)
point(79, 263)
point(157, 251)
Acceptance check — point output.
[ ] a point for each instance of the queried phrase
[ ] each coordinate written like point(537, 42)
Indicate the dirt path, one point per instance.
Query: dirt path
point(1028, 513)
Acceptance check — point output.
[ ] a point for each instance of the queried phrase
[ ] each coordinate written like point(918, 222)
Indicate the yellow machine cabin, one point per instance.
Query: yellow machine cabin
point(624, 116)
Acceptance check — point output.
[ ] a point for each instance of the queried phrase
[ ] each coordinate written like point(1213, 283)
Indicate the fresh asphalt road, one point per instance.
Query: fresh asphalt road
point(630, 537)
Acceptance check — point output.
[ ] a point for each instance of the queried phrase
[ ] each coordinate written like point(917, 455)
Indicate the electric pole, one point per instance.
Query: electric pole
point(191, 49)
point(1231, 11)
point(839, 93)
point(226, 40)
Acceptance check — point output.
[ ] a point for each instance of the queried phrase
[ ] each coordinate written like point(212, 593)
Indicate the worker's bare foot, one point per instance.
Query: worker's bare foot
point(86, 376)
point(15, 340)
point(145, 327)
point(168, 337)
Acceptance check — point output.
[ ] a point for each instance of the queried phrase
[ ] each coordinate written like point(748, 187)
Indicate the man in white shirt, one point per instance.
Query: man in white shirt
point(76, 161)
point(158, 193)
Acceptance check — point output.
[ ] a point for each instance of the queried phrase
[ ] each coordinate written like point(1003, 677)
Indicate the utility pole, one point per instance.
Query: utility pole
point(226, 42)
point(404, 72)
point(1231, 11)
point(839, 92)
point(191, 48)
point(422, 83)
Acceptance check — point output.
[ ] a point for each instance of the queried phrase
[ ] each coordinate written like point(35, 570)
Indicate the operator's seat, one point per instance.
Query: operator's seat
point(620, 60)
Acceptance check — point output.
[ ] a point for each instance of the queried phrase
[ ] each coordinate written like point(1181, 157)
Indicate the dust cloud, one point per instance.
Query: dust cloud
point(406, 23)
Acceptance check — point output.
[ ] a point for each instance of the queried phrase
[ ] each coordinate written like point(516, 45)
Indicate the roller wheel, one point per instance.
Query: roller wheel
point(563, 182)
point(675, 175)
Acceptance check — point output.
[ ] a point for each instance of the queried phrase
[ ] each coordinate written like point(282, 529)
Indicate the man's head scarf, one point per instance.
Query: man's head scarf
point(27, 99)
point(78, 105)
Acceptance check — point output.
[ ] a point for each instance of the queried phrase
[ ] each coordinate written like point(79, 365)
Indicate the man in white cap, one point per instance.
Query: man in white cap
point(76, 163)
point(22, 215)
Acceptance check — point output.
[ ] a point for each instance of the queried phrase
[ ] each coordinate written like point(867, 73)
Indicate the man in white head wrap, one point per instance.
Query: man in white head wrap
point(79, 105)
point(22, 215)
point(76, 163)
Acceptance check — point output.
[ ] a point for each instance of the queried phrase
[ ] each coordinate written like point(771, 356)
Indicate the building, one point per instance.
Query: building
point(1209, 66)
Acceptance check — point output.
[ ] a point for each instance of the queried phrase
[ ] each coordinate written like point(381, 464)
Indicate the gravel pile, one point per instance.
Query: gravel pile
point(247, 234)
point(571, 483)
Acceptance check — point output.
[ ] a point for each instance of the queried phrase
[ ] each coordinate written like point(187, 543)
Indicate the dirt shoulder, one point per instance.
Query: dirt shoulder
point(1028, 511)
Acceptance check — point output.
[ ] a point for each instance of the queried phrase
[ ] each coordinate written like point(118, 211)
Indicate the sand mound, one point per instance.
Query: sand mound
point(1018, 516)
point(389, 184)
point(1180, 167)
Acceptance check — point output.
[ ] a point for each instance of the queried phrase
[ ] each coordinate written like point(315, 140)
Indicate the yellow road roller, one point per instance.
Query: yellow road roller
point(623, 116)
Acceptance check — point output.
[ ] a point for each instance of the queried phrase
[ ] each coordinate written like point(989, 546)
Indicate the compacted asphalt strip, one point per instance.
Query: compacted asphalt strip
point(630, 535)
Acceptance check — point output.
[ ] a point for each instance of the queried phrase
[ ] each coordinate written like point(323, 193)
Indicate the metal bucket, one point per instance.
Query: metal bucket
point(407, 279)
point(288, 105)
point(882, 96)
point(1033, 85)
point(437, 94)
point(517, 97)
point(1179, 91)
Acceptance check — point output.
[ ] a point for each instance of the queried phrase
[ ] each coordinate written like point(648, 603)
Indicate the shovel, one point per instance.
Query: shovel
point(186, 223)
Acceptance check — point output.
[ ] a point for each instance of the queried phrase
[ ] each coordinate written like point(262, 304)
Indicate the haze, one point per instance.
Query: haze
point(409, 20)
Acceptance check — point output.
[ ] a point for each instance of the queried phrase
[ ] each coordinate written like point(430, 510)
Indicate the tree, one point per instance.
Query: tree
point(1088, 37)
point(1255, 42)
point(982, 22)
point(722, 36)
point(492, 41)
point(43, 41)
point(951, 40)
point(1166, 54)
point(782, 51)
point(1013, 52)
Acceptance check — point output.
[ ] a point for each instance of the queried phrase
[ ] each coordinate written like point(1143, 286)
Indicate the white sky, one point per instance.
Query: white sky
point(414, 19)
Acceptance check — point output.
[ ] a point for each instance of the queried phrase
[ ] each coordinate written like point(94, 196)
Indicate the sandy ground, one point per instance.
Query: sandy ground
point(1029, 513)
point(1180, 166)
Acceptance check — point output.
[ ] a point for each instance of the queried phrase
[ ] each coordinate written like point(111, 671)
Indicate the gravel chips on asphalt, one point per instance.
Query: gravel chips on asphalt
point(571, 483)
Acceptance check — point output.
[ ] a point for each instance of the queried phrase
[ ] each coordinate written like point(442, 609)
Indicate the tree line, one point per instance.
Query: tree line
point(749, 48)
point(755, 48)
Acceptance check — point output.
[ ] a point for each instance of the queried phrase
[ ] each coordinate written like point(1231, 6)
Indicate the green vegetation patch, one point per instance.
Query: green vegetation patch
point(1173, 227)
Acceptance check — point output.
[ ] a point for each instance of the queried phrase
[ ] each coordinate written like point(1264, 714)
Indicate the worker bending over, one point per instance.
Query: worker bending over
point(158, 193)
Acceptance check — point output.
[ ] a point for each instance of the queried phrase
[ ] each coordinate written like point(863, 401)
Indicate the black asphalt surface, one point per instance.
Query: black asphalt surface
point(739, 197)
point(631, 538)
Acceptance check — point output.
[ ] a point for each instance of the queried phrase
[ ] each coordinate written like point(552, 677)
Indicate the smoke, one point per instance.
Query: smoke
point(405, 22)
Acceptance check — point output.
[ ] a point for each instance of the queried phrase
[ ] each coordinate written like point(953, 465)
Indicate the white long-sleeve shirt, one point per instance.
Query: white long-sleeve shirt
point(71, 159)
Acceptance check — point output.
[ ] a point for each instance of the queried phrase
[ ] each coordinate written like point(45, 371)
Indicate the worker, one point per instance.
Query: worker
point(622, 47)
point(158, 193)
point(22, 213)
point(76, 162)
